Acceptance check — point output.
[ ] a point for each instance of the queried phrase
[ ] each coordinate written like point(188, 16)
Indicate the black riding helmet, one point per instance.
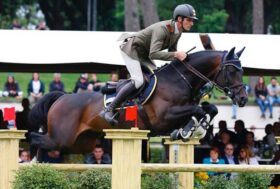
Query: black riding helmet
point(184, 10)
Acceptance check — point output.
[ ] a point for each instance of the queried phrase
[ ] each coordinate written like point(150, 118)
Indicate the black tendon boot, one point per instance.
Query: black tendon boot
point(123, 94)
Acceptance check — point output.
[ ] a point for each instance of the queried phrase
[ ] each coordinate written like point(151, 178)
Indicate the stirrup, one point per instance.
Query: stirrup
point(110, 119)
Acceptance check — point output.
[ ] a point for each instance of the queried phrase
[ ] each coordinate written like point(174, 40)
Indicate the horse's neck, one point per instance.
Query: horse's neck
point(178, 77)
point(206, 63)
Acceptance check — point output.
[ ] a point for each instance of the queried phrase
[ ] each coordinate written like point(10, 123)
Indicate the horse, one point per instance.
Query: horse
point(71, 122)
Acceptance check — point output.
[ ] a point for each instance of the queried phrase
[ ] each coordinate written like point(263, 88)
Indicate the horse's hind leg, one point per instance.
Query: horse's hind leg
point(42, 141)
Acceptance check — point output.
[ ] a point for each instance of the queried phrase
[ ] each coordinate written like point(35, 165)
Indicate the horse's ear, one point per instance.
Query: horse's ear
point(231, 53)
point(239, 53)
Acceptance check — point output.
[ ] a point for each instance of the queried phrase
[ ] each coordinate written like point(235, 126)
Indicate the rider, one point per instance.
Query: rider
point(144, 46)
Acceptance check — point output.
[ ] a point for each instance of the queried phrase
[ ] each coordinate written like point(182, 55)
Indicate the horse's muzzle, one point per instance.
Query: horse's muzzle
point(242, 102)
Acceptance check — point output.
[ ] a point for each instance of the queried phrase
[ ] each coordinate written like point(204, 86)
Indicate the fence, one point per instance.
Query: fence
point(127, 167)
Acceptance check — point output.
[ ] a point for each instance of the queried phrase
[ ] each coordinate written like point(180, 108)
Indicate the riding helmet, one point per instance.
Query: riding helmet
point(184, 10)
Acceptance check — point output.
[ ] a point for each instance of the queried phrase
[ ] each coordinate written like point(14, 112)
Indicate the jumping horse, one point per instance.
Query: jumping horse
point(70, 121)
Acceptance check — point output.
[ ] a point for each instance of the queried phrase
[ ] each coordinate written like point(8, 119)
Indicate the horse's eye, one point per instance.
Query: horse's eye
point(231, 69)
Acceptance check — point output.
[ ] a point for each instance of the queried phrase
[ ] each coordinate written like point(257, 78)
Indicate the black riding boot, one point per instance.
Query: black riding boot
point(122, 95)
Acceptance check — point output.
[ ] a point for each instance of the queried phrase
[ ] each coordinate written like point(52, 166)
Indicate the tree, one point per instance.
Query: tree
point(258, 19)
point(65, 14)
point(131, 15)
point(149, 12)
point(239, 20)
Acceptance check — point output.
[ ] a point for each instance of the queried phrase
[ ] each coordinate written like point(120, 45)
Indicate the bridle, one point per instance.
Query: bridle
point(222, 69)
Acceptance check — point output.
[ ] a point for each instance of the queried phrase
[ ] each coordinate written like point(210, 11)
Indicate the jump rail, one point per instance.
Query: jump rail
point(127, 167)
point(159, 167)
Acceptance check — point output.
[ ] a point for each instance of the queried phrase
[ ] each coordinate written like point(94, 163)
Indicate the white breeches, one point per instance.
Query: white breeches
point(134, 69)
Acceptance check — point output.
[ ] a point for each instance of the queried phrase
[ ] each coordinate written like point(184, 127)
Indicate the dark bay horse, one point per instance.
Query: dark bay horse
point(70, 123)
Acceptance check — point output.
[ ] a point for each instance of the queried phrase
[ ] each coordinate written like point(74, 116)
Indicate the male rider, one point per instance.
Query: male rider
point(147, 45)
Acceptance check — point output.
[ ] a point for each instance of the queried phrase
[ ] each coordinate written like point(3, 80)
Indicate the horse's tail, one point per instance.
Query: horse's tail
point(38, 116)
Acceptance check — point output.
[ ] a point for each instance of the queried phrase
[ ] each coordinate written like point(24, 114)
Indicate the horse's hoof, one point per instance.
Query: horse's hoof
point(174, 135)
point(185, 139)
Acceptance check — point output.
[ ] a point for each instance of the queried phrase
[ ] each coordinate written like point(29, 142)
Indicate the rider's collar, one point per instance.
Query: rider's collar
point(176, 28)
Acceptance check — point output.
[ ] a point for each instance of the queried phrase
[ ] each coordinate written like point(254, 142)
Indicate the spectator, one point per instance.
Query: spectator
point(56, 84)
point(42, 26)
point(81, 84)
point(110, 86)
point(246, 157)
point(22, 117)
point(24, 156)
point(269, 139)
point(98, 156)
point(16, 25)
point(273, 92)
point(251, 144)
point(240, 137)
point(114, 77)
point(223, 128)
point(225, 139)
point(276, 128)
point(3, 124)
point(234, 111)
point(96, 82)
point(11, 88)
point(230, 158)
point(213, 159)
point(36, 89)
point(261, 97)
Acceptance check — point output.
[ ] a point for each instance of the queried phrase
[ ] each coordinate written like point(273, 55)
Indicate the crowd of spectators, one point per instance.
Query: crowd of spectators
point(36, 87)
point(240, 147)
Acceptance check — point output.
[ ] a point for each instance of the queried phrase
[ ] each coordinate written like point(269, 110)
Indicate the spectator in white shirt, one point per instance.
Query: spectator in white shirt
point(246, 157)
point(36, 89)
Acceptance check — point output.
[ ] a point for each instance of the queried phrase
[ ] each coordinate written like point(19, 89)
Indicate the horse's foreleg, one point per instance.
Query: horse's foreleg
point(198, 125)
point(42, 141)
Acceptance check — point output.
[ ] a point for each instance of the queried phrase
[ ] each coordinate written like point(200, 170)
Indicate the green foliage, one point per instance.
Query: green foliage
point(242, 181)
point(219, 182)
point(95, 179)
point(5, 21)
point(212, 16)
point(158, 181)
point(156, 155)
point(253, 180)
point(214, 22)
point(40, 176)
point(118, 15)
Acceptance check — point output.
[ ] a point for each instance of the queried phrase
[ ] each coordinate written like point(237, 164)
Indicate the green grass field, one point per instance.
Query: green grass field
point(68, 79)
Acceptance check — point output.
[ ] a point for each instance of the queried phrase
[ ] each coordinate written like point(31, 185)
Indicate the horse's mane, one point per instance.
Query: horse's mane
point(191, 56)
point(200, 53)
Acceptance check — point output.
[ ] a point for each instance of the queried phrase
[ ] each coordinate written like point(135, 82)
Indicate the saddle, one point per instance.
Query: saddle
point(141, 96)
